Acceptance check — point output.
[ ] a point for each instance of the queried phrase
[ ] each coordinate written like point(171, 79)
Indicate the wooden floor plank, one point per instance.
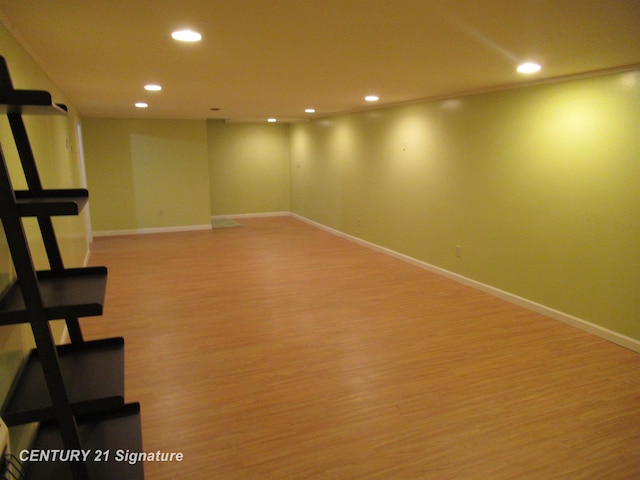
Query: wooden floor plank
point(278, 351)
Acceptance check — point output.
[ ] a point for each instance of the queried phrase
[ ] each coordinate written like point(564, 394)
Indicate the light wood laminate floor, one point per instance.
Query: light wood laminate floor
point(278, 351)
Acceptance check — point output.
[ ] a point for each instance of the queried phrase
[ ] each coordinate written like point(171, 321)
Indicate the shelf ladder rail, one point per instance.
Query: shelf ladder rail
point(28, 282)
point(34, 184)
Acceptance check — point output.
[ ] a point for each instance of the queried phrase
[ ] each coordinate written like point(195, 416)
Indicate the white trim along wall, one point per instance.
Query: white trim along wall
point(584, 325)
point(143, 231)
point(602, 332)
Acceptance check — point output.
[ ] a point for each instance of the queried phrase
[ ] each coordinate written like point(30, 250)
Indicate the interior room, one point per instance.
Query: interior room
point(344, 238)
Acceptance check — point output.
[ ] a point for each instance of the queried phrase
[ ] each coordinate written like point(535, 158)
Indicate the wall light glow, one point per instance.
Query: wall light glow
point(142, 105)
point(152, 88)
point(372, 98)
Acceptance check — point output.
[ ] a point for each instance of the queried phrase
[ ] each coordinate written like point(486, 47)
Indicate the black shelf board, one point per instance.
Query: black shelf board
point(72, 292)
point(51, 202)
point(117, 430)
point(93, 374)
point(30, 102)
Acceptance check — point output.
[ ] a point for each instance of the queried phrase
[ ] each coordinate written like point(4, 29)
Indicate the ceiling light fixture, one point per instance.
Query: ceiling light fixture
point(310, 110)
point(152, 87)
point(528, 67)
point(186, 36)
point(372, 98)
point(272, 120)
point(142, 105)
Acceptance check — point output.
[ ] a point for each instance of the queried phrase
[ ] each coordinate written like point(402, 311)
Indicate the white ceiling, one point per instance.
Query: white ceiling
point(274, 58)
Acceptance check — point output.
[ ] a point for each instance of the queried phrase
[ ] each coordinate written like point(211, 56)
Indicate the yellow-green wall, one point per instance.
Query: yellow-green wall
point(249, 167)
point(54, 141)
point(55, 144)
point(539, 187)
point(162, 174)
point(146, 174)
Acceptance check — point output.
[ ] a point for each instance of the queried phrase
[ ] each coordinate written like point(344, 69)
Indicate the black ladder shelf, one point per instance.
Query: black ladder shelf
point(76, 391)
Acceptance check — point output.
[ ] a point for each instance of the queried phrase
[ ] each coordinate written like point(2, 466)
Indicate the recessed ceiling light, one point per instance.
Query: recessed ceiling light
point(153, 88)
point(372, 98)
point(310, 110)
point(528, 67)
point(142, 105)
point(272, 120)
point(186, 36)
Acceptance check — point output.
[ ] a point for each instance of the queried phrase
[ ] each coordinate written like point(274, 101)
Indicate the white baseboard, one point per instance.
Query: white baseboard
point(144, 231)
point(252, 215)
point(610, 335)
point(186, 228)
